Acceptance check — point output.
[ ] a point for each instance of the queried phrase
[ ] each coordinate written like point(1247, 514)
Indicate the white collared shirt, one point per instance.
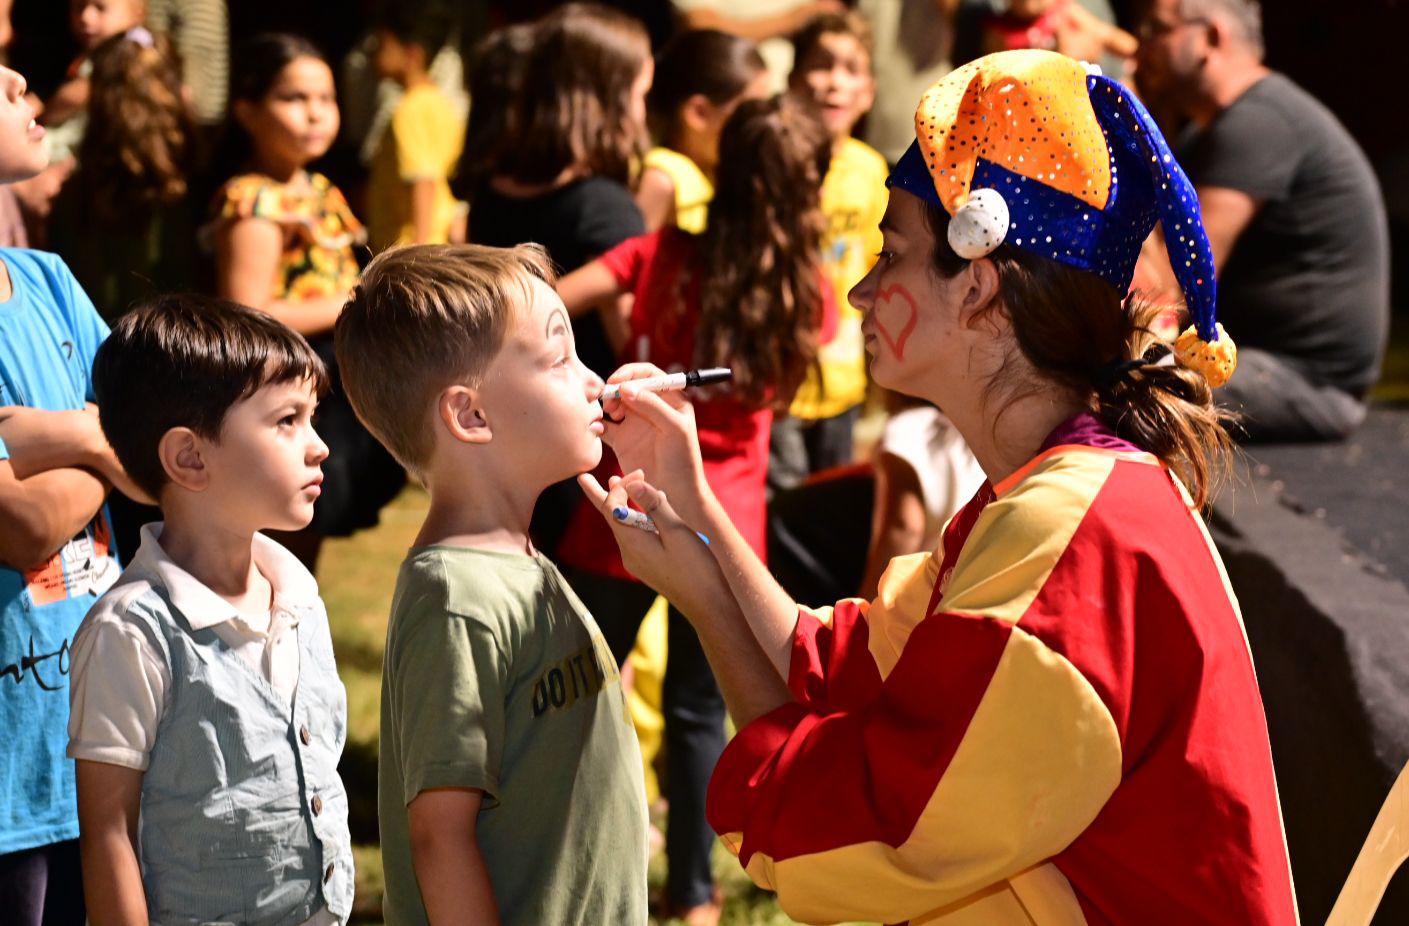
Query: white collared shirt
point(119, 684)
point(120, 680)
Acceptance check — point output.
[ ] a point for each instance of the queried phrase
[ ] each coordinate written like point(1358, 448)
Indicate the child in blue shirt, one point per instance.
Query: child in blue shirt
point(56, 555)
point(207, 716)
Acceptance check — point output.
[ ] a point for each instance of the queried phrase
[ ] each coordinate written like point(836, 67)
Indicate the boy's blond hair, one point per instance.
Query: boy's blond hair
point(423, 318)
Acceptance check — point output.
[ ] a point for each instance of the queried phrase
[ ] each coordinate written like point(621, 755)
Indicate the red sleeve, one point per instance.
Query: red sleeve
point(626, 260)
point(831, 666)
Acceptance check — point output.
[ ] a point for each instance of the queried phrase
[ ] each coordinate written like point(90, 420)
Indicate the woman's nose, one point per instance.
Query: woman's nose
point(863, 294)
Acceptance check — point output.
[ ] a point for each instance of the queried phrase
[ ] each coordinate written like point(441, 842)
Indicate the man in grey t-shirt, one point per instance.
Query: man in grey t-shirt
point(1294, 215)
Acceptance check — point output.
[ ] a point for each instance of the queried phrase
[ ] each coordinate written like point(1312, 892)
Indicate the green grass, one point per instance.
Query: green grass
point(356, 576)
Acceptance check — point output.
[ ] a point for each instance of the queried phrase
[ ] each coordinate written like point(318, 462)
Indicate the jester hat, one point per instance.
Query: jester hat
point(1040, 151)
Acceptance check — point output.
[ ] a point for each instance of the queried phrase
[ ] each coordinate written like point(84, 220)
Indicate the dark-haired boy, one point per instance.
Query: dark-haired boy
point(207, 716)
point(408, 195)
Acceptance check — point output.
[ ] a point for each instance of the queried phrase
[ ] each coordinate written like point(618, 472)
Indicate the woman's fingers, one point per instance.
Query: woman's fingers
point(630, 371)
point(665, 411)
point(652, 501)
point(604, 500)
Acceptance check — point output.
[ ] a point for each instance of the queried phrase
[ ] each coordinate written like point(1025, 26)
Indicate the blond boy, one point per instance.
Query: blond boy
point(509, 785)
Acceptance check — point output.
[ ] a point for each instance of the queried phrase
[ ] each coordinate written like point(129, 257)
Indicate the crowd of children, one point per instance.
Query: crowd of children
point(190, 729)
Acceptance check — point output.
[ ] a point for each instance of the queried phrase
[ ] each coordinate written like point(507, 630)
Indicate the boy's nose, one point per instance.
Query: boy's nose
point(317, 449)
point(595, 386)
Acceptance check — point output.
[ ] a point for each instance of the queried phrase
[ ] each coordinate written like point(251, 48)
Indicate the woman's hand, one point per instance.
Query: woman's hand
point(655, 433)
point(673, 559)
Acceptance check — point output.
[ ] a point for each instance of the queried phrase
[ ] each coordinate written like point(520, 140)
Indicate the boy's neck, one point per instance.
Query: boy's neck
point(478, 511)
point(219, 558)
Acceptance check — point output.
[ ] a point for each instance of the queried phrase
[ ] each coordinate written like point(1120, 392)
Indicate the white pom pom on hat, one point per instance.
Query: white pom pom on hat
point(979, 225)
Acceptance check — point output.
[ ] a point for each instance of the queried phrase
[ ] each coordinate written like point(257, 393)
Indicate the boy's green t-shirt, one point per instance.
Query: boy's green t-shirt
point(497, 678)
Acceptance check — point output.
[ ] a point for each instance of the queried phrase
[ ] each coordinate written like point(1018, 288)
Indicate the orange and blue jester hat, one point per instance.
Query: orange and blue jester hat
point(1042, 152)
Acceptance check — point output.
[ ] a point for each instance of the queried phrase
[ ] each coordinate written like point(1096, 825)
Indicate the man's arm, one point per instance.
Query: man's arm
point(109, 799)
point(449, 866)
point(1227, 213)
point(38, 514)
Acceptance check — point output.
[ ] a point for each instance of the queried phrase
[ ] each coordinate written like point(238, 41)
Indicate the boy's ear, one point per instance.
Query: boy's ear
point(459, 409)
point(180, 453)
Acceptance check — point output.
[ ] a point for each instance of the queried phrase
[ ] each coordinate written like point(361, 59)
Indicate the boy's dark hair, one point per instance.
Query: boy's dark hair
point(850, 23)
point(182, 361)
point(426, 24)
point(574, 103)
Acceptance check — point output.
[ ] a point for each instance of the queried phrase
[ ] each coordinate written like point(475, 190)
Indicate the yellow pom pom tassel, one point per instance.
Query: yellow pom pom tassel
point(1216, 360)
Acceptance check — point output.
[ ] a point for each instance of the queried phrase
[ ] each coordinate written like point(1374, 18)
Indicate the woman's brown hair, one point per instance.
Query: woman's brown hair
point(1076, 330)
point(760, 254)
point(137, 150)
point(575, 100)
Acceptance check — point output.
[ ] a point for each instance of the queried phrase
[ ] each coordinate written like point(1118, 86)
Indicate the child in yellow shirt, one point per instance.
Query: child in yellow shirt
point(408, 196)
point(833, 69)
point(701, 76)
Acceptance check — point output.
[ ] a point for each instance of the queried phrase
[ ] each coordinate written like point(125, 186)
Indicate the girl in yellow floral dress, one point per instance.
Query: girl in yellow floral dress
point(283, 239)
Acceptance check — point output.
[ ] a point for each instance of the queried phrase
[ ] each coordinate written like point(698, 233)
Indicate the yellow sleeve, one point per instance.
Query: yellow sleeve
point(427, 134)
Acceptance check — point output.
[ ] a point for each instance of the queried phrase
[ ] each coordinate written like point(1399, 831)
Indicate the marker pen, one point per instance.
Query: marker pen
point(642, 521)
point(672, 382)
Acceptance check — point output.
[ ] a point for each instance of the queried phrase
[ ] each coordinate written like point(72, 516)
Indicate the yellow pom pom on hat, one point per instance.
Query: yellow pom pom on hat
point(1042, 152)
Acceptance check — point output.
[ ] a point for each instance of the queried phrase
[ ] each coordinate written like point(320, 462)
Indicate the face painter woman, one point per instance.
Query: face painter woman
point(1053, 717)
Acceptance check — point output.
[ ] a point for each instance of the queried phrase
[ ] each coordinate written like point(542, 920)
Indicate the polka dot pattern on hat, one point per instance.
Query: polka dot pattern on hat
point(980, 224)
point(1026, 111)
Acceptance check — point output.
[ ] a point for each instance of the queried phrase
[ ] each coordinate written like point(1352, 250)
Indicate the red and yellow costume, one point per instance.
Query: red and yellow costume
point(1051, 719)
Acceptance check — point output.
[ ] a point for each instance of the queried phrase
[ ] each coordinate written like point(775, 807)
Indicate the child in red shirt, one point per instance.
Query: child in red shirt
point(748, 293)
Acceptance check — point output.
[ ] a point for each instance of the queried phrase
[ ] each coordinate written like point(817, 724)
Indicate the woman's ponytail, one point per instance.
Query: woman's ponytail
point(1165, 408)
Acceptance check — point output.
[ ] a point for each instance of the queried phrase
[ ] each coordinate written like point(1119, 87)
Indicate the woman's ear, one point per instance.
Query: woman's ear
point(978, 291)
point(463, 416)
point(180, 452)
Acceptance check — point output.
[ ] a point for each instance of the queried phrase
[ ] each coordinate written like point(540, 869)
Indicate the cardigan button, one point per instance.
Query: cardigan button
point(304, 736)
point(317, 805)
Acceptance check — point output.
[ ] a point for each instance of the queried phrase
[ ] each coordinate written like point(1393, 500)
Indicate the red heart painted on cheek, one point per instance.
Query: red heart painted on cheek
point(897, 343)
